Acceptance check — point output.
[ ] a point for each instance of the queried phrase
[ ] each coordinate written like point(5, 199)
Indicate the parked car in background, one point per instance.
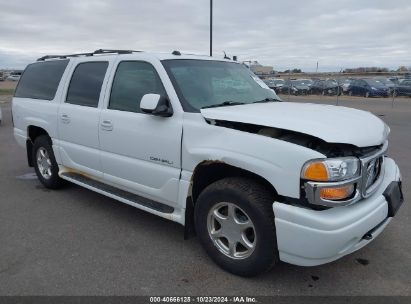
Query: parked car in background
point(307, 82)
point(295, 87)
point(387, 82)
point(14, 78)
point(368, 88)
point(394, 79)
point(275, 84)
point(2, 76)
point(326, 87)
point(345, 84)
point(403, 89)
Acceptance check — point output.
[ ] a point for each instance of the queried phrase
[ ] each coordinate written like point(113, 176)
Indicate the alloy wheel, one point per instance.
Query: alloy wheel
point(231, 230)
point(44, 163)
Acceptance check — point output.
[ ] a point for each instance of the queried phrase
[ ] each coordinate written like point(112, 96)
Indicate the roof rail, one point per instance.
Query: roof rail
point(96, 52)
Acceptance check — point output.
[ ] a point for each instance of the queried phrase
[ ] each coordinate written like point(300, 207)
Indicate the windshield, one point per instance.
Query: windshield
point(374, 83)
point(204, 83)
point(384, 81)
point(331, 83)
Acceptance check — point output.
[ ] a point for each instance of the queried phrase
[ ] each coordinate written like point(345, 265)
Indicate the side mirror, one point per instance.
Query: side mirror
point(156, 104)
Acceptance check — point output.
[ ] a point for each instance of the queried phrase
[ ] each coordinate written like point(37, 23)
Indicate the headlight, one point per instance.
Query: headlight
point(331, 169)
point(386, 131)
point(373, 88)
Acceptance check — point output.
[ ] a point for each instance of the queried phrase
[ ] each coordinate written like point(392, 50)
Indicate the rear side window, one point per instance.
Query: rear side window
point(85, 84)
point(40, 80)
point(132, 81)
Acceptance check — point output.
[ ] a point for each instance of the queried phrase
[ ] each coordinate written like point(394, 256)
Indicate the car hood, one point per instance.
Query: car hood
point(379, 87)
point(301, 87)
point(330, 123)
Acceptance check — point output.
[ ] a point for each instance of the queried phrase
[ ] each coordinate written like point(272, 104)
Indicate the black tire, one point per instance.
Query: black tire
point(257, 202)
point(54, 182)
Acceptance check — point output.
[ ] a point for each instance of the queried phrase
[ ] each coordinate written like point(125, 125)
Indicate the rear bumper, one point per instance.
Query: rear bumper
point(307, 237)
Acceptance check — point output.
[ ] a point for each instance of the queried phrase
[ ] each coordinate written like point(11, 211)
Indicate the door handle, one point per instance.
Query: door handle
point(65, 118)
point(107, 125)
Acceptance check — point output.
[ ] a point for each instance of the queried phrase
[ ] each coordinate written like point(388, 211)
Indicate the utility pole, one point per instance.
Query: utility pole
point(211, 28)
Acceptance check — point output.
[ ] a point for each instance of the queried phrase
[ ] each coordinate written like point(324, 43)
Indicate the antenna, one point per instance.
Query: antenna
point(211, 28)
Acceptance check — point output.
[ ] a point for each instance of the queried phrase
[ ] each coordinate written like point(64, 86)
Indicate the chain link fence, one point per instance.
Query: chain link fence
point(335, 88)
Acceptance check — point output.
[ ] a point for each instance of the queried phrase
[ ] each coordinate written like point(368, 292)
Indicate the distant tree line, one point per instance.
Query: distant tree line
point(293, 71)
point(375, 70)
point(352, 70)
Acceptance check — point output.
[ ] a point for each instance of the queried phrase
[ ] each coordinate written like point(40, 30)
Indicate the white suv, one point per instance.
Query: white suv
point(204, 142)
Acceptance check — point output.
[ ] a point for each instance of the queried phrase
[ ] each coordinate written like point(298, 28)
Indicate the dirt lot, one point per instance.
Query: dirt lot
point(6, 89)
point(8, 84)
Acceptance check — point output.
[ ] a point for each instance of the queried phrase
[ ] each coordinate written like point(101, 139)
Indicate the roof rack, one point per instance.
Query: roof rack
point(96, 52)
point(178, 53)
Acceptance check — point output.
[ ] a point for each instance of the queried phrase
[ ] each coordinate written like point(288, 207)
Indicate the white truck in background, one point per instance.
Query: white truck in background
point(204, 142)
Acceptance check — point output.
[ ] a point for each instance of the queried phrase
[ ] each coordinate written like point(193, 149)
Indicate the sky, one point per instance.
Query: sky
point(285, 34)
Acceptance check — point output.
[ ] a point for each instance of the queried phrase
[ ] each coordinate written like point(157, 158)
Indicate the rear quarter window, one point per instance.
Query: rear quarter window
point(40, 80)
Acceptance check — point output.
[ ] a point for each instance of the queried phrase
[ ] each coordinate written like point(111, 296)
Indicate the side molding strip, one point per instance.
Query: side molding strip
point(121, 195)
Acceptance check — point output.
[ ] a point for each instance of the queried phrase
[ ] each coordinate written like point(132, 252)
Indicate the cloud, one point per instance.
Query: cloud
point(285, 34)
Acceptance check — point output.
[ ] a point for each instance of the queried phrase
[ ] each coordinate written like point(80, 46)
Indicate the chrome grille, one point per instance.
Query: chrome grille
point(372, 171)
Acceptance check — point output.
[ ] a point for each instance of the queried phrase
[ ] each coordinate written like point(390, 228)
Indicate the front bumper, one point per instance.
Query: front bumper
point(379, 93)
point(308, 237)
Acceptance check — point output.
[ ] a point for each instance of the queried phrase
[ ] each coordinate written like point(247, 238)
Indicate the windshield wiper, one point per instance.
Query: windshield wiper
point(268, 99)
point(225, 103)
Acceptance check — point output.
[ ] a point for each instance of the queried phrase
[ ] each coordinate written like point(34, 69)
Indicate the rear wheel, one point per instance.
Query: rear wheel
point(235, 223)
point(45, 163)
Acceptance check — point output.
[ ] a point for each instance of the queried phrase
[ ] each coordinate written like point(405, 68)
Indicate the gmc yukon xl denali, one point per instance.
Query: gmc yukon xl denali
point(205, 143)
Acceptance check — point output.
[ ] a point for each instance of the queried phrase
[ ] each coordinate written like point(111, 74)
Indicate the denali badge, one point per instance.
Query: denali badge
point(164, 161)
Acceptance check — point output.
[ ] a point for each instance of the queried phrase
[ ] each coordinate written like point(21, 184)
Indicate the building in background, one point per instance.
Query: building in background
point(258, 68)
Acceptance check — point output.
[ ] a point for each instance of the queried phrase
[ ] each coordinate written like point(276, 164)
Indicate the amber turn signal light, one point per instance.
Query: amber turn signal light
point(337, 193)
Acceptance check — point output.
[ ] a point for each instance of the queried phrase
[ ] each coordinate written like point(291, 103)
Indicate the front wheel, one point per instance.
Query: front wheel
point(45, 163)
point(235, 223)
